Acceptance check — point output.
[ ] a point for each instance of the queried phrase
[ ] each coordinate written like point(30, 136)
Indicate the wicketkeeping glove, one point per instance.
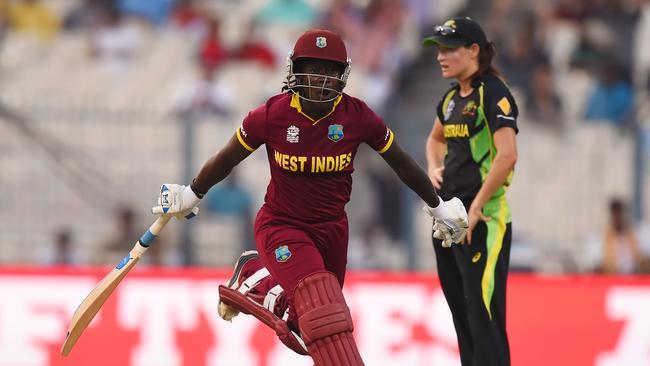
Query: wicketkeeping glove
point(177, 200)
point(450, 221)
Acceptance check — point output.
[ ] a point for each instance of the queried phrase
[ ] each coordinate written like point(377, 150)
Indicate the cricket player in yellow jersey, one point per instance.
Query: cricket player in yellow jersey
point(471, 154)
point(311, 132)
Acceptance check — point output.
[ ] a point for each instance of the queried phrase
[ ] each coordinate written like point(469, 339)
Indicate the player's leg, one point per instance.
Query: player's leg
point(290, 256)
point(246, 266)
point(252, 290)
point(485, 271)
point(287, 255)
point(499, 297)
point(451, 282)
point(324, 318)
point(325, 321)
point(332, 241)
point(316, 303)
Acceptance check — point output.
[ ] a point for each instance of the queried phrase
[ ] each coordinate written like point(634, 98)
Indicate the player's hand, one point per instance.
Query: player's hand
point(450, 221)
point(475, 215)
point(177, 200)
point(436, 177)
point(442, 232)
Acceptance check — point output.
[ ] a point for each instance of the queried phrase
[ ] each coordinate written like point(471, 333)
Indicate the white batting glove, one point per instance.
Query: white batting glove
point(177, 200)
point(450, 221)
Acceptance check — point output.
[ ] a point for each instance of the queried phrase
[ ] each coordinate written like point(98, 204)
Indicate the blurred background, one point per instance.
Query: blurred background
point(102, 101)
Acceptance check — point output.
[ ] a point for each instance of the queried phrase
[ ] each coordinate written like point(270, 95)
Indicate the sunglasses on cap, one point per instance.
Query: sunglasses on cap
point(456, 32)
point(444, 30)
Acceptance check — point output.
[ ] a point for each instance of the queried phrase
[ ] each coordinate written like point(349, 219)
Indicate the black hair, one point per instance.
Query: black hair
point(285, 86)
point(297, 68)
point(485, 57)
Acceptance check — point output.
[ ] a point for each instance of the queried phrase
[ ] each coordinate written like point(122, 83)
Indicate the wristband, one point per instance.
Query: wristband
point(196, 192)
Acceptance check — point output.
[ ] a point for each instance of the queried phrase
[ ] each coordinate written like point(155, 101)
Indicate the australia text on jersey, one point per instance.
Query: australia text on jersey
point(456, 130)
point(313, 164)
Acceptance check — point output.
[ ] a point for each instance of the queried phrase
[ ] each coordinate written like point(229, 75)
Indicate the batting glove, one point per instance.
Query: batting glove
point(177, 200)
point(450, 221)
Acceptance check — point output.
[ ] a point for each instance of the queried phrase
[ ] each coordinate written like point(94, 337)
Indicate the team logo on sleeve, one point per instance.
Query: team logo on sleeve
point(293, 134)
point(282, 253)
point(335, 132)
point(450, 108)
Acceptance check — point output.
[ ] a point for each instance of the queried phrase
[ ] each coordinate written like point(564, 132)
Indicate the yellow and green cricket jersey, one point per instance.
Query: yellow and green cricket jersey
point(469, 124)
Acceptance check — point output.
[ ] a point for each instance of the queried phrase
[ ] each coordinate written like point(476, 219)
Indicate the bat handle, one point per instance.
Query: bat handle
point(148, 237)
point(159, 224)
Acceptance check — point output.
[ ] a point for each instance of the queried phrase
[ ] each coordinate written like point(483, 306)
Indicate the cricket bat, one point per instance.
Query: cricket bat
point(98, 296)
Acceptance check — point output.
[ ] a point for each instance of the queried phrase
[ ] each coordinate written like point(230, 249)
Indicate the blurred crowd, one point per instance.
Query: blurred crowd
point(576, 60)
point(569, 63)
point(382, 35)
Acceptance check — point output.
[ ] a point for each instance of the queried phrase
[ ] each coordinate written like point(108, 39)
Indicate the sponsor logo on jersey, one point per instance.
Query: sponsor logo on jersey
point(476, 257)
point(282, 254)
point(470, 109)
point(504, 104)
point(456, 130)
point(450, 108)
point(321, 42)
point(335, 132)
point(293, 134)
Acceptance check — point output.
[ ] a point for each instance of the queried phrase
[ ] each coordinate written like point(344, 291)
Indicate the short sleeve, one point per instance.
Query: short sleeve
point(439, 110)
point(378, 135)
point(500, 108)
point(251, 133)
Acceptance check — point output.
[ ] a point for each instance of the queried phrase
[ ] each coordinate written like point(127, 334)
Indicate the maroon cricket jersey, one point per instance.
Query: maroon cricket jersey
point(311, 160)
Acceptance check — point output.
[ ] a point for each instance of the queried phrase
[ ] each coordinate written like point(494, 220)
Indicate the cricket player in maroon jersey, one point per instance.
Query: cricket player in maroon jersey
point(311, 131)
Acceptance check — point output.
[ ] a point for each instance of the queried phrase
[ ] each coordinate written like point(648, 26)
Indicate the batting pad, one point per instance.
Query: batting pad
point(246, 305)
point(325, 322)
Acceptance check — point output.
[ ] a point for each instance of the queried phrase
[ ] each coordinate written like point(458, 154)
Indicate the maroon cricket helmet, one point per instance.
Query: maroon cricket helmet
point(320, 44)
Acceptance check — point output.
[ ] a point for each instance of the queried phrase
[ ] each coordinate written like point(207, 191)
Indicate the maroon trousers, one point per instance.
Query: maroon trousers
point(292, 250)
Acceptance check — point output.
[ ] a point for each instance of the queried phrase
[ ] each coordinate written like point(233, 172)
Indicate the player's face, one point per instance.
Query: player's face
point(320, 79)
point(456, 62)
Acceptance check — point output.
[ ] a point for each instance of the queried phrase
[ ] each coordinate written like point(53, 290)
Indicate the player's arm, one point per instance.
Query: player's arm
point(436, 149)
point(218, 167)
point(411, 174)
point(450, 216)
point(503, 164)
point(182, 201)
point(179, 199)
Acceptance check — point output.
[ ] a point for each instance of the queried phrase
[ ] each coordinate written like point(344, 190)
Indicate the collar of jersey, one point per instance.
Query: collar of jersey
point(295, 103)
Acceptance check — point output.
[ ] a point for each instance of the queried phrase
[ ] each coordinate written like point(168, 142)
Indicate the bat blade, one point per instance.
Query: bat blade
point(98, 296)
point(93, 302)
